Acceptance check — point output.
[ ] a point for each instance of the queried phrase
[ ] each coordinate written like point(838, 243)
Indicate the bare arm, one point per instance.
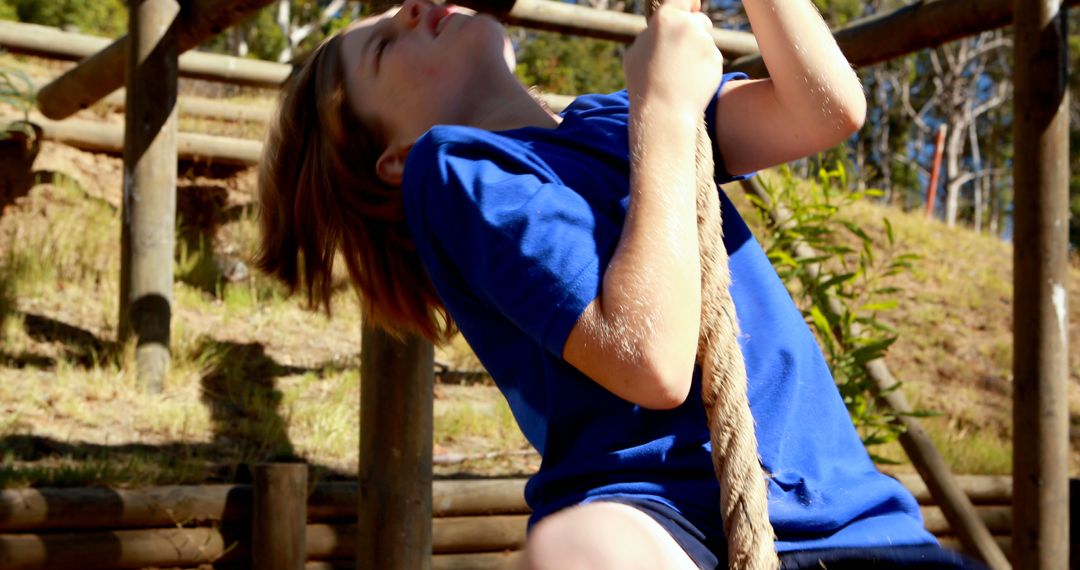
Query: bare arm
point(812, 101)
point(638, 339)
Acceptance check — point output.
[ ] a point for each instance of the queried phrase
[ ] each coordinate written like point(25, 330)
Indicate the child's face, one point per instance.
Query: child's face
point(413, 67)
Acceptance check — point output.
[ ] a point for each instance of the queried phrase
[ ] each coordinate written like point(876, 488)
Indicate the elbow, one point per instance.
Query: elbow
point(664, 381)
point(840, 120)
point(850, 107)
point(854, 111)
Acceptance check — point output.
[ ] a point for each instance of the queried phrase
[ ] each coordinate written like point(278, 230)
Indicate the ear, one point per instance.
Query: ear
point(390, 168)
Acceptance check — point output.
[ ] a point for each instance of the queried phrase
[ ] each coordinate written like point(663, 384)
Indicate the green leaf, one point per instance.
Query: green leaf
point(879, 306)
point(889, 231)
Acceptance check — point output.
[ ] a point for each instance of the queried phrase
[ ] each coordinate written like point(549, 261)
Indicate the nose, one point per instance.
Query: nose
point(411, 12)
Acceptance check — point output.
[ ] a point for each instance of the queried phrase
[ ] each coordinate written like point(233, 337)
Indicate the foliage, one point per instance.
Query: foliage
point(570, 65)
point(839, 289)
point(17, 90)
point(101, 17)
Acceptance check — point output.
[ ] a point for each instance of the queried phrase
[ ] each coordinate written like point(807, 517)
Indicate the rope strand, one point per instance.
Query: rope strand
point(743, 492)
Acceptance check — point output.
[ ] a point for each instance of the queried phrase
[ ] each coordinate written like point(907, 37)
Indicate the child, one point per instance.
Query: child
point(564, 247)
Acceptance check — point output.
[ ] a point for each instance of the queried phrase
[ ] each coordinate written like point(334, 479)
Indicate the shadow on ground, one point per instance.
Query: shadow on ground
point(237, 385)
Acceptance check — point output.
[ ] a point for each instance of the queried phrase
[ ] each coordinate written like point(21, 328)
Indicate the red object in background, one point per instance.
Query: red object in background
point(931, 191)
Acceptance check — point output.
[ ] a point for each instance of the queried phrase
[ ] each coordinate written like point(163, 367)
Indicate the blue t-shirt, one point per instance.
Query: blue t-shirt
point(516, 228)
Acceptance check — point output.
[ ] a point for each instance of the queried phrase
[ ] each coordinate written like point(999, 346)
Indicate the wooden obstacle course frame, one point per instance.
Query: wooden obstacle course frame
point(1038, 168)
point(477, 522)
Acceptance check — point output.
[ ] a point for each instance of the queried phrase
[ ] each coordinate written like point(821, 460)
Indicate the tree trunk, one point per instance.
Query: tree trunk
point(954, 147)
point(284, 22)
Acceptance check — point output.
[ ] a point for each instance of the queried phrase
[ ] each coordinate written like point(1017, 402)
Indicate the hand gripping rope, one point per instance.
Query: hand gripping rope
point(743, 496)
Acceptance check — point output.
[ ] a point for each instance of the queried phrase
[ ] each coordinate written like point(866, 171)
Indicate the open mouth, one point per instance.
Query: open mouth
point(441, 22)
point(440, 16)
point(437, 18)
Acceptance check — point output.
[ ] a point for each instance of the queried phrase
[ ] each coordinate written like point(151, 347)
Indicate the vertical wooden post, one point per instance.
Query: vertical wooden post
point(279, 516)
point(396, 406)
point(149, 207)
point(1040, 319)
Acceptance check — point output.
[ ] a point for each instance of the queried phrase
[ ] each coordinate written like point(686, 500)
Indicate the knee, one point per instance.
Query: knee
point(598, 536)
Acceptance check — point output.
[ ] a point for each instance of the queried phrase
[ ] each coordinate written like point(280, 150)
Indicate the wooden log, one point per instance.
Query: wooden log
point(450, 535)
point(279, 516)
point(98, 75)
point(148, 217)
point(101, 508)
point(125, 549)
point(493, 496)
point(508, 560)
point(604, 24)
point(119, 550)
point(916, 443)
point(915, 26)
point(397, 383)
point(235, 112)
point(997, 518)
point(980, 489)
point(49, 42)
point(483, 561)
point(1004, 542)
point(1040, 298)
point(101, 137)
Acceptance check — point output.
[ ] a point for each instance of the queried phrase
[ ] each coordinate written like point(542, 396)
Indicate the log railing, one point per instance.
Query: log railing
point(910, 28)
point(53, 43)
point(476, 524)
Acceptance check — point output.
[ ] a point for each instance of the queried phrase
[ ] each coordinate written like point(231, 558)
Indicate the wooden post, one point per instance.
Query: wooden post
point(279, 516)
point(396, 407)
point(98, 75)
point(1040, 316)
point(149, 206)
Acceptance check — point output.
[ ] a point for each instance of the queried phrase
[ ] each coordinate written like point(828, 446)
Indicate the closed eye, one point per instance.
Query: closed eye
point(380, 46)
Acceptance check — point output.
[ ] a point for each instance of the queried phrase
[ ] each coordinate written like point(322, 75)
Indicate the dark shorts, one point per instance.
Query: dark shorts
point(707, 553)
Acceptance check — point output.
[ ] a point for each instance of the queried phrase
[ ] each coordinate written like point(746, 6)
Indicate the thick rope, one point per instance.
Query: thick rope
point(743, 493)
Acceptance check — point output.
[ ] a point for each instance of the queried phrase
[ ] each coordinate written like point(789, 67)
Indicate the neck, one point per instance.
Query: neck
point(506, 104)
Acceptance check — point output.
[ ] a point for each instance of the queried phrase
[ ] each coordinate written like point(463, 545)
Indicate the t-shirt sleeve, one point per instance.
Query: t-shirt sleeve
point(503, 226)
point(722, 175)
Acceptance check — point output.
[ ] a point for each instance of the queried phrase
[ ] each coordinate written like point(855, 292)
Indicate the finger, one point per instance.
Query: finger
point(703, 20)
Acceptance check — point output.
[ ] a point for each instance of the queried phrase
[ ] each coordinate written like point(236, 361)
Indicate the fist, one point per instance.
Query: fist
point(674, 61)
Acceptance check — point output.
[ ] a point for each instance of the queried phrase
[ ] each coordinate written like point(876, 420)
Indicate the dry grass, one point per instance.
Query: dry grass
point(254, 375)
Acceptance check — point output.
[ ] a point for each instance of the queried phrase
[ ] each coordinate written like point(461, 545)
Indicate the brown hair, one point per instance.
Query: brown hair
point(319, 196)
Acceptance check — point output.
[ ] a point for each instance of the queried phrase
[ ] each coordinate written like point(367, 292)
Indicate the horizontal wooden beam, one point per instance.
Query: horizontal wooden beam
point(99, 507)
point(916, 26)
point(980, 489)
point(96, 77)
point(997, 518)
point(53, 43)
point(604, 24)
point(450, 535)
point(509, 560)
point(129, 549)
point(109, 138)
point(103, 72)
